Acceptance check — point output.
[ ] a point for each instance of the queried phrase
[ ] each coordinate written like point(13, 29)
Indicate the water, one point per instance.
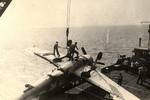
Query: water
point(18, 67)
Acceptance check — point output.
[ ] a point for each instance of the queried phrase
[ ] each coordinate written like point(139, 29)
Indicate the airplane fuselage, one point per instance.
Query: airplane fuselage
point(59, 80)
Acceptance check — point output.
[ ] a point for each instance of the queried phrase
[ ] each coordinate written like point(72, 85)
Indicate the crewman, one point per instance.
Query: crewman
point(73, 51)
point(141, 75)
point(120, 79)
point(69, 43)
point(56, 49)
point(120, 60)
point(75, 48)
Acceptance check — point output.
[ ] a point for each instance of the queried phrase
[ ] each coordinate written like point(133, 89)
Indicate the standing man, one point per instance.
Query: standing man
point(141, 75)
point(72, 50)
point(75, 48)
point(56, 49)
point(69, 44)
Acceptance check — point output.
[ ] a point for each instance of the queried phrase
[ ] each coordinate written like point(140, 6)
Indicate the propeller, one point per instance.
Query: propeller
point(99, 56)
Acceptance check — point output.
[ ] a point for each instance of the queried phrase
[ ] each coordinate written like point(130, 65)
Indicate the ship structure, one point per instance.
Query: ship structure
point(134, 70)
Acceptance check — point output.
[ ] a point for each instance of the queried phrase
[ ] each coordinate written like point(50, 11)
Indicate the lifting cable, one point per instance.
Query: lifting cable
point(68, 20)
point(68, 13)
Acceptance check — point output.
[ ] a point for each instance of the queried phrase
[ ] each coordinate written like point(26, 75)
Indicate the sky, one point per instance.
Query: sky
point(52, 13)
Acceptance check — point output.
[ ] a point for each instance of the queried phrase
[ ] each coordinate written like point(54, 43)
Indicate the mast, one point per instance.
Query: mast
point(107, 37)
point(106, 42)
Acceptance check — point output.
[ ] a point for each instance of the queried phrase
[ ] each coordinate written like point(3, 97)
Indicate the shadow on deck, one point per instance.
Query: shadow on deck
point(129, 83)
point(91, 93)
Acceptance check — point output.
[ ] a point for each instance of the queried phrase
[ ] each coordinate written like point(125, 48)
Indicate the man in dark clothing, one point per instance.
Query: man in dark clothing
point(71, 50)
point(120, 79)
point(75, 48)
point(141, 75)
point(69, 44)
point(56, 49)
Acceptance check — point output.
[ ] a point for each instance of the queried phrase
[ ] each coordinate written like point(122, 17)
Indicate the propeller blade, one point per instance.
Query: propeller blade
point(99, 56)
point(83, 50)
point(100, 63)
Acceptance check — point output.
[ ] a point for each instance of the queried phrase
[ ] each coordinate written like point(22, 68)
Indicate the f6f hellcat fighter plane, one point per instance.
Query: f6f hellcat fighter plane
point(69, 74)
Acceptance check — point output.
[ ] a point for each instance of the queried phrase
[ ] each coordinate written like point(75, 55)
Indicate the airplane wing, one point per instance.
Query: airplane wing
point(100, 80)
point(46, 55)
